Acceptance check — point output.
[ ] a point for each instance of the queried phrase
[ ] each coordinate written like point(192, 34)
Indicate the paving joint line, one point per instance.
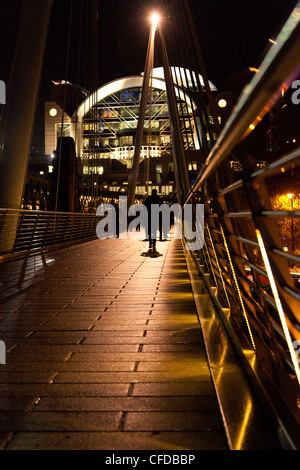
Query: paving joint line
point(122, 421)
point(130, 390)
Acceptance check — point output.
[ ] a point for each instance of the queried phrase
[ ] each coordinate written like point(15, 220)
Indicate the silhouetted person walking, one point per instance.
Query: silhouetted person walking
point(150, 200)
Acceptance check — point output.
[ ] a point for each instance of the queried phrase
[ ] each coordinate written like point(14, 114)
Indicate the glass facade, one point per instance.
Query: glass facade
point(110, 125)
point(108, 134)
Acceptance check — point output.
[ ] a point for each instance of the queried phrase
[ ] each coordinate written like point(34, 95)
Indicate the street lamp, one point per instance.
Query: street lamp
point(155, 19)
point(222, 103)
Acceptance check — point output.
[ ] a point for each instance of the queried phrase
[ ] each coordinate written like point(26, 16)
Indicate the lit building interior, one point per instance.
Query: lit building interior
point(104, 128)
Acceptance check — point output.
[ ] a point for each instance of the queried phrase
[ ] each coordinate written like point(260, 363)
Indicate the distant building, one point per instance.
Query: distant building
point(103, 127)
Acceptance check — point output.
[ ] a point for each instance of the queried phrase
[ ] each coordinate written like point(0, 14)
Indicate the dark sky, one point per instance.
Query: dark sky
point(233, 34)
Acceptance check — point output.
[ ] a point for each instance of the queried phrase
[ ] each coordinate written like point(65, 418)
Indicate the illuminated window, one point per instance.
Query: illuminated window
point(166, 190)
point(63, 132)
point(192, 166)
point(126, 140)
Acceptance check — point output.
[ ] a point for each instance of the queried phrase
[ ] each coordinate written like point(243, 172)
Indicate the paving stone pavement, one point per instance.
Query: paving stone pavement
point(104, 352)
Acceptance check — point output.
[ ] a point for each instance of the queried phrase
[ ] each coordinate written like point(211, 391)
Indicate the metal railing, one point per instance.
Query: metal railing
point(244, 256)
point(27, 230)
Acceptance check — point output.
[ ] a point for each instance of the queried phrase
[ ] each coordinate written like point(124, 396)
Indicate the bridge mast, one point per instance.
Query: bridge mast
point(142, 112)
point(17, 120)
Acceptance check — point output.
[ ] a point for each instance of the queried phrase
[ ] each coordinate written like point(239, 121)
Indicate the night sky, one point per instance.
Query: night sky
point(233, 35)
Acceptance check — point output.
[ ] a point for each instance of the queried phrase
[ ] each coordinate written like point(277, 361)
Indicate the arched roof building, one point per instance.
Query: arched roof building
point(104, 127)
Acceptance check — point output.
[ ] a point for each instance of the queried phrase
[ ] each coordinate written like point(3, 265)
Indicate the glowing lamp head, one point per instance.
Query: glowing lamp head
point(222, 103)
point(155, 19)
point(290, 196)
point(53, 112)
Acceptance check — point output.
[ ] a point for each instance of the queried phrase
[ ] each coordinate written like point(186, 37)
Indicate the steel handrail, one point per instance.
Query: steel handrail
point(26, 230)
point(244, 259)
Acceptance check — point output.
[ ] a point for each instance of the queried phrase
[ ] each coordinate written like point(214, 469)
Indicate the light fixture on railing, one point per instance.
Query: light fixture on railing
point(238, 289)
point(278, 304)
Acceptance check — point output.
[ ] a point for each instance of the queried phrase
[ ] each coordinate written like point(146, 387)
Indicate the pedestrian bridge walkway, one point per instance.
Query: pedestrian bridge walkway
point(110, 349)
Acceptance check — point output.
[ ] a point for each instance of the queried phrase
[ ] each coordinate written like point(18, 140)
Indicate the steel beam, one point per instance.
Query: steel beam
point(17, 121)
point(141, 119)
point(181, 174)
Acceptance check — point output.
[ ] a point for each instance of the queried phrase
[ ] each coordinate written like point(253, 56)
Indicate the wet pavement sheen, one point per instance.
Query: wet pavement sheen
point(104, 352)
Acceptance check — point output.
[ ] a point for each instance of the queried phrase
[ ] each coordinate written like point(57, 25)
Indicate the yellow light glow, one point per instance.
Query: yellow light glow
point(244, 425)
point(155, 19)
point(217, 261)
point(278, 304)
point(238, 288)
point(222, 103)
point(253, 69)
point(53, 112)
point(290, 196)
